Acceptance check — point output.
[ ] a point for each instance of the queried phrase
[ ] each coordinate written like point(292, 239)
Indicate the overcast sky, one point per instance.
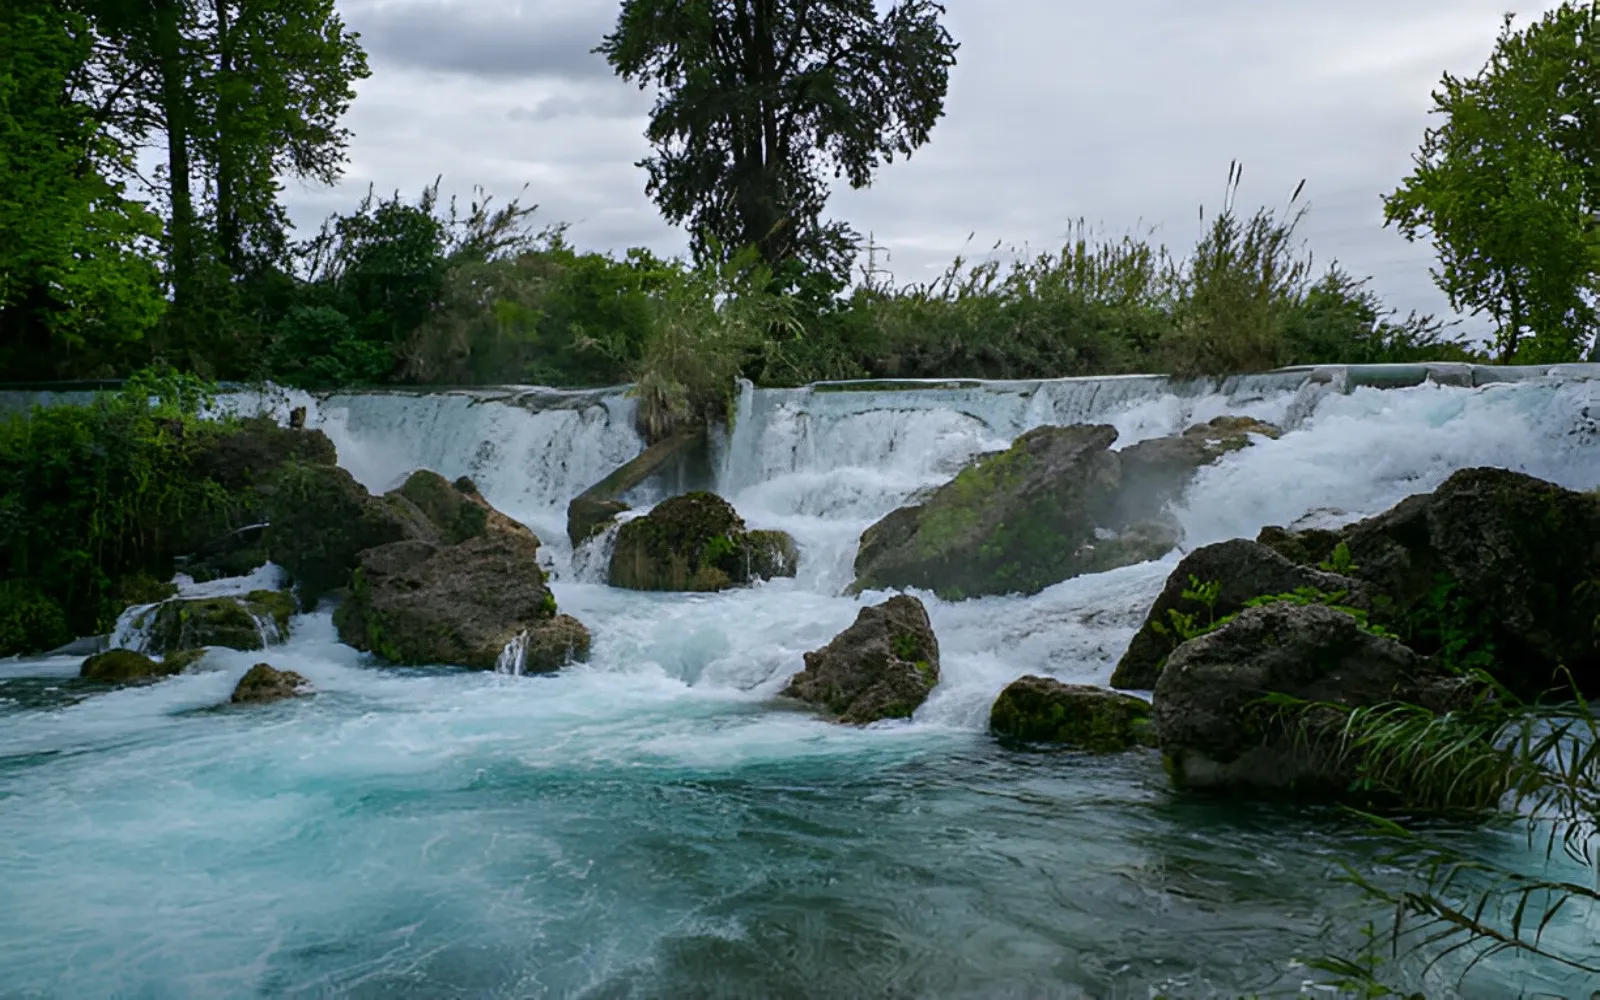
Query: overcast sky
point(1125, 113)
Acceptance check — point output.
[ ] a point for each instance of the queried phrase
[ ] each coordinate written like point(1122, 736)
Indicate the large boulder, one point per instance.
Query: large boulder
point(1217, 730)
point(1494, 568)
point(1041, 710)
point(253, 621)
point(251, 454)
point(696, 542)
point(419, 602)
point(321, 520)
point(1057, 504)
point(881, 667)
point(1212, 582)
point(263, 683)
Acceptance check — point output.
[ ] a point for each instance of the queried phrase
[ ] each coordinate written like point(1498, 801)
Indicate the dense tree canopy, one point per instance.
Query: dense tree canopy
point(1508, 187)
point(760, 99)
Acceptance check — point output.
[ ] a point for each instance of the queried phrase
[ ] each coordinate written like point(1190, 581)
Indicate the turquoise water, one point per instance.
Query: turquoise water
point(656, 823)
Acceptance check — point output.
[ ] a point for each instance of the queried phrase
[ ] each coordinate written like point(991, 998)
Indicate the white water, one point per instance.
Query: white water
point(653, 823)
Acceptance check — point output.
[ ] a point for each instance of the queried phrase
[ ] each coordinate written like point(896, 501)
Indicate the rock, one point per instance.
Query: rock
point(253, 453)
point(696, 542)
point(322, 520)
point(263, 683)
point(588, 516)
point(1307, 547)
point(547, 647)
point(1494, 568)
point(1216, 732)
point(1041, 710)
point(881, 667)
point(1242, 570)
point(456, 514)
point(419, 602)
point(1057, 504)
point(249, 622)
point(124, 666)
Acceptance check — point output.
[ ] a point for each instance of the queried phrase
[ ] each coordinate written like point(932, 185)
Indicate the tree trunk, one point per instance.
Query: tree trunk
point(228, 230)
point(176, 110)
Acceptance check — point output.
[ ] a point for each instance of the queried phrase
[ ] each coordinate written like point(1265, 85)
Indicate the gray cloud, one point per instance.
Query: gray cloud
point(486, 38)
point(1124, 114)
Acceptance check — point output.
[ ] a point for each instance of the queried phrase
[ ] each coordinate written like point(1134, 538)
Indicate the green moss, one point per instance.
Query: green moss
point(124, 666)
point(548, 607)
point(278, 605)
point(446, 506)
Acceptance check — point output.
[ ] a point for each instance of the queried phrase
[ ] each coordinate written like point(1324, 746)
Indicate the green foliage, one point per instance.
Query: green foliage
point(1339, 561)
point(1508, 187)
point(92, 494)
point(759, 99)
point(77, 281)
point(1185, 625)
point(29, 620)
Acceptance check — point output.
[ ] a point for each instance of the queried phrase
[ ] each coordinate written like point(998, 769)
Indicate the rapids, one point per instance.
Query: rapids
point(654, 823)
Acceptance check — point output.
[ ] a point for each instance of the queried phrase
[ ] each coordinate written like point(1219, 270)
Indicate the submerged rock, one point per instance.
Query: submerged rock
point(1041, 710)
point(1057, 504)
point(881, 667)
point(125, 666)
point(1240, 570)
point(421, 602)
point(252, 621)
point(1216, 729)
point(263, 683)
point(696, 542)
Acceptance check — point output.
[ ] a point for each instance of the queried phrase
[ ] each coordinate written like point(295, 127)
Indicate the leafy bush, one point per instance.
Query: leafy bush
point(91, 494)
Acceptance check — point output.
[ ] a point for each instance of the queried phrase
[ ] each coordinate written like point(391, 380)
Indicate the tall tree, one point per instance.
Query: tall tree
point(77, 278)
point(760, 99)
point(1508, 186)
point(237, 93)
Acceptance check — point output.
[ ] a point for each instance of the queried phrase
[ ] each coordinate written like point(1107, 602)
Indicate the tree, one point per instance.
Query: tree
point(240, 93)
point(77, 283)
point(1508, 187)
point(759, 98)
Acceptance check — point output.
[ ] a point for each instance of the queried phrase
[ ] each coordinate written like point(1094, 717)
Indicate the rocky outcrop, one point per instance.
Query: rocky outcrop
point(419, 602)
point(252, 621)
point(881, 667)
point(125, 666)
point(1494, 568)
point(321, 520)
point(1058, 503)
point(1041, 710)
point(1217, 730)
point(696, 542)
point(1239, 570)
point(263, 683)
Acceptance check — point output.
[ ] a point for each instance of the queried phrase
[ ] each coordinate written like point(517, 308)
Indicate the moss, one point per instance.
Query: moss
point(124, 666)
point(695, 542)
point(1039, 710)
point(264, 683)
point(278, 605)
point(446, 506)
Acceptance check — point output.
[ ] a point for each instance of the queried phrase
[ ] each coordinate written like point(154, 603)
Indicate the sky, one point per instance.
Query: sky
point(1126, 114)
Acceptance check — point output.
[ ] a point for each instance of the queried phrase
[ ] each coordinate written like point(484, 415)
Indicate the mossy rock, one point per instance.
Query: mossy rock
point(322, 520)
point(124, 666)
point(696, 542)
point(555, 643)
point(1040, 710)
point(447, 506)
point(588, 516)
point(882, 667)
point(248, 622)
point(264, 683)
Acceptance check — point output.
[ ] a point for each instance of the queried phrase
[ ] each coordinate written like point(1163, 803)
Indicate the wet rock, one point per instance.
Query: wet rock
point(696, 542)
point(253, 454)
point(125, 666)
point(1057, 504)
point(456, 514)
point(263, 683)
point(881, 667)
point(1041, 710)
point(250, 622)
point(1216, 730)
point(419, 602)
point(546, 647)
point(1240, 570)
point(588, 516)
point(1307, 547)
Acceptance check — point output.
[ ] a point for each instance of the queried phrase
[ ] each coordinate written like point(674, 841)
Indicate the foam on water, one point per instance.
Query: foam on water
point(654, 823)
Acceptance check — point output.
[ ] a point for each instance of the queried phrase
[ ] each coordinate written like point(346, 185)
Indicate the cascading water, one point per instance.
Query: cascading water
point(653, 823)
